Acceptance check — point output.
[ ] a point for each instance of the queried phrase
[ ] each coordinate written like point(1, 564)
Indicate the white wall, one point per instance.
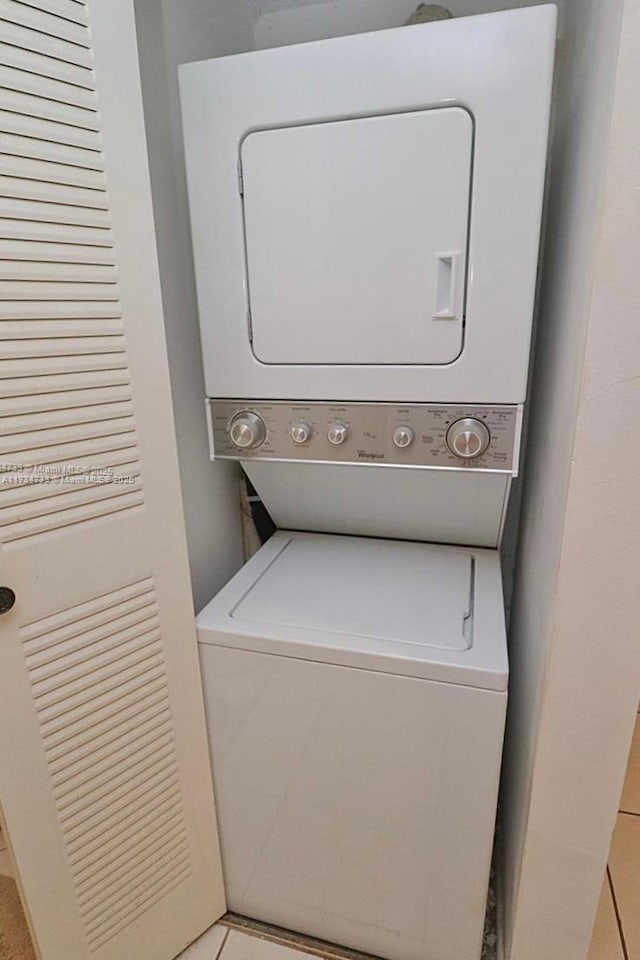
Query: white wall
point(293, 21)
point(575, 654)
point(210, 490)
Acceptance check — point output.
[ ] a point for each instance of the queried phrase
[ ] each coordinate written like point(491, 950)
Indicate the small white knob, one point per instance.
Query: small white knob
point(300, 432)
point(247, 430)
point(468, 438)
point(337, 433)
point(403, 436)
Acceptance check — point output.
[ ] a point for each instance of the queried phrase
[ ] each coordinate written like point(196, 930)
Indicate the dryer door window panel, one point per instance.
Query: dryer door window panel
point(356, 237)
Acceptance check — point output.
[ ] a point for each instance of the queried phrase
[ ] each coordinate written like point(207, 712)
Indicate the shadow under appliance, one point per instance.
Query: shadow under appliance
point(365, 215)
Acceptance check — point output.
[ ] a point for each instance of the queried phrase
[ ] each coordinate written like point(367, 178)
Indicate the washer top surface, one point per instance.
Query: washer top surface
point(386, 590)
point(413, 609)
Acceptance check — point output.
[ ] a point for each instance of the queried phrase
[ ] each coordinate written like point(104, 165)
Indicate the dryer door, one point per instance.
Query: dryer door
point(356, 237)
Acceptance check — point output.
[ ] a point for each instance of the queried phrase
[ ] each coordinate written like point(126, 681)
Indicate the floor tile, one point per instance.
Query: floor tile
point(242, 946)
point(206, 947)
point(6, 869)
point(630, 800)
point(624, 868)
point(606, 943)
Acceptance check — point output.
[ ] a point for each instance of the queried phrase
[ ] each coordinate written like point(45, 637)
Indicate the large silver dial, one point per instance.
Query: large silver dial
point(468, 438)
point(247, 430)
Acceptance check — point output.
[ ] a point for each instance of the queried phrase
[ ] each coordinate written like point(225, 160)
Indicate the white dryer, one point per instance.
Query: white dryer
point(356, 694)
point(365, 216)
point(366, 211)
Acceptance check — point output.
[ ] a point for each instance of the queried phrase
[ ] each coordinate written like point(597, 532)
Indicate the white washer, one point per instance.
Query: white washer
point(356, 696)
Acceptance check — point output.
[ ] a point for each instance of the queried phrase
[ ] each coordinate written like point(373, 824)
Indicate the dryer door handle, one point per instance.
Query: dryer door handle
point(448, 286)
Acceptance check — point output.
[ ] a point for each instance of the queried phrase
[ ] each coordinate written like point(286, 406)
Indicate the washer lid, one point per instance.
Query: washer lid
point(413, 609)
point(397, 592)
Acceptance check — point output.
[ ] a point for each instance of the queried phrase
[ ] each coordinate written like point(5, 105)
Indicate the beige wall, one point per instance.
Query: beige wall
point(575, 650)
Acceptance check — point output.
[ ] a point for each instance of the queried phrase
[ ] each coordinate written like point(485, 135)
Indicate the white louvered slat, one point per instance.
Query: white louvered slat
point(62, 292)
point(111, 844)
point(54, 383)
point(62, 645)
point(12, 78)
point(82, 815)
point(72, 452)
point(46, 109)
point(46, 150)
point(55, 233)
point(44, 19)
point(36, 329)
point(69, 433)
point(40, 366)
point(26, 209)
point(155, 718)
point(23, 125)
point(49, 172)
point(43, 634)
point(53, 717)
point(61, 346)
point(12, 54)
point(108, 725)
point(59, 272)
point(74, 10)
point(157, 791)
point(51, 523)
point(50, 252)
point(119, 811)
point(71, 495)
point(56, 194)
point(51, 47)
point(105, 661)
point(50, 419)
point(156, 794)
point(99, 797)
point(51, 309)
point(36, 403)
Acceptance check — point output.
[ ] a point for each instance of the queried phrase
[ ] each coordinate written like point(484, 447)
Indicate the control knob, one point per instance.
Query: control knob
point(468, 438)
point(337, 433)
point(300, 432)
point(247, 430)
point(403, 436)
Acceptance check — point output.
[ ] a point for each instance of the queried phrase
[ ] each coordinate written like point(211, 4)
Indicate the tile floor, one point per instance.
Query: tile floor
point(5, 865)
point(223, 943)
point(617, 931)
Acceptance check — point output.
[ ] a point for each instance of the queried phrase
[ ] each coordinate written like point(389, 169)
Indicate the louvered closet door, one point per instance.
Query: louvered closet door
point(104, 773)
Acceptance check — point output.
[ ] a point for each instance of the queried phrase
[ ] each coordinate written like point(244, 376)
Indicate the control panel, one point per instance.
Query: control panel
point(453, 436)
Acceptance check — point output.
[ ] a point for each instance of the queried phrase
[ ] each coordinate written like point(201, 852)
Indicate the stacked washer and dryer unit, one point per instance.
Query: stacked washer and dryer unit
point(365, 216)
